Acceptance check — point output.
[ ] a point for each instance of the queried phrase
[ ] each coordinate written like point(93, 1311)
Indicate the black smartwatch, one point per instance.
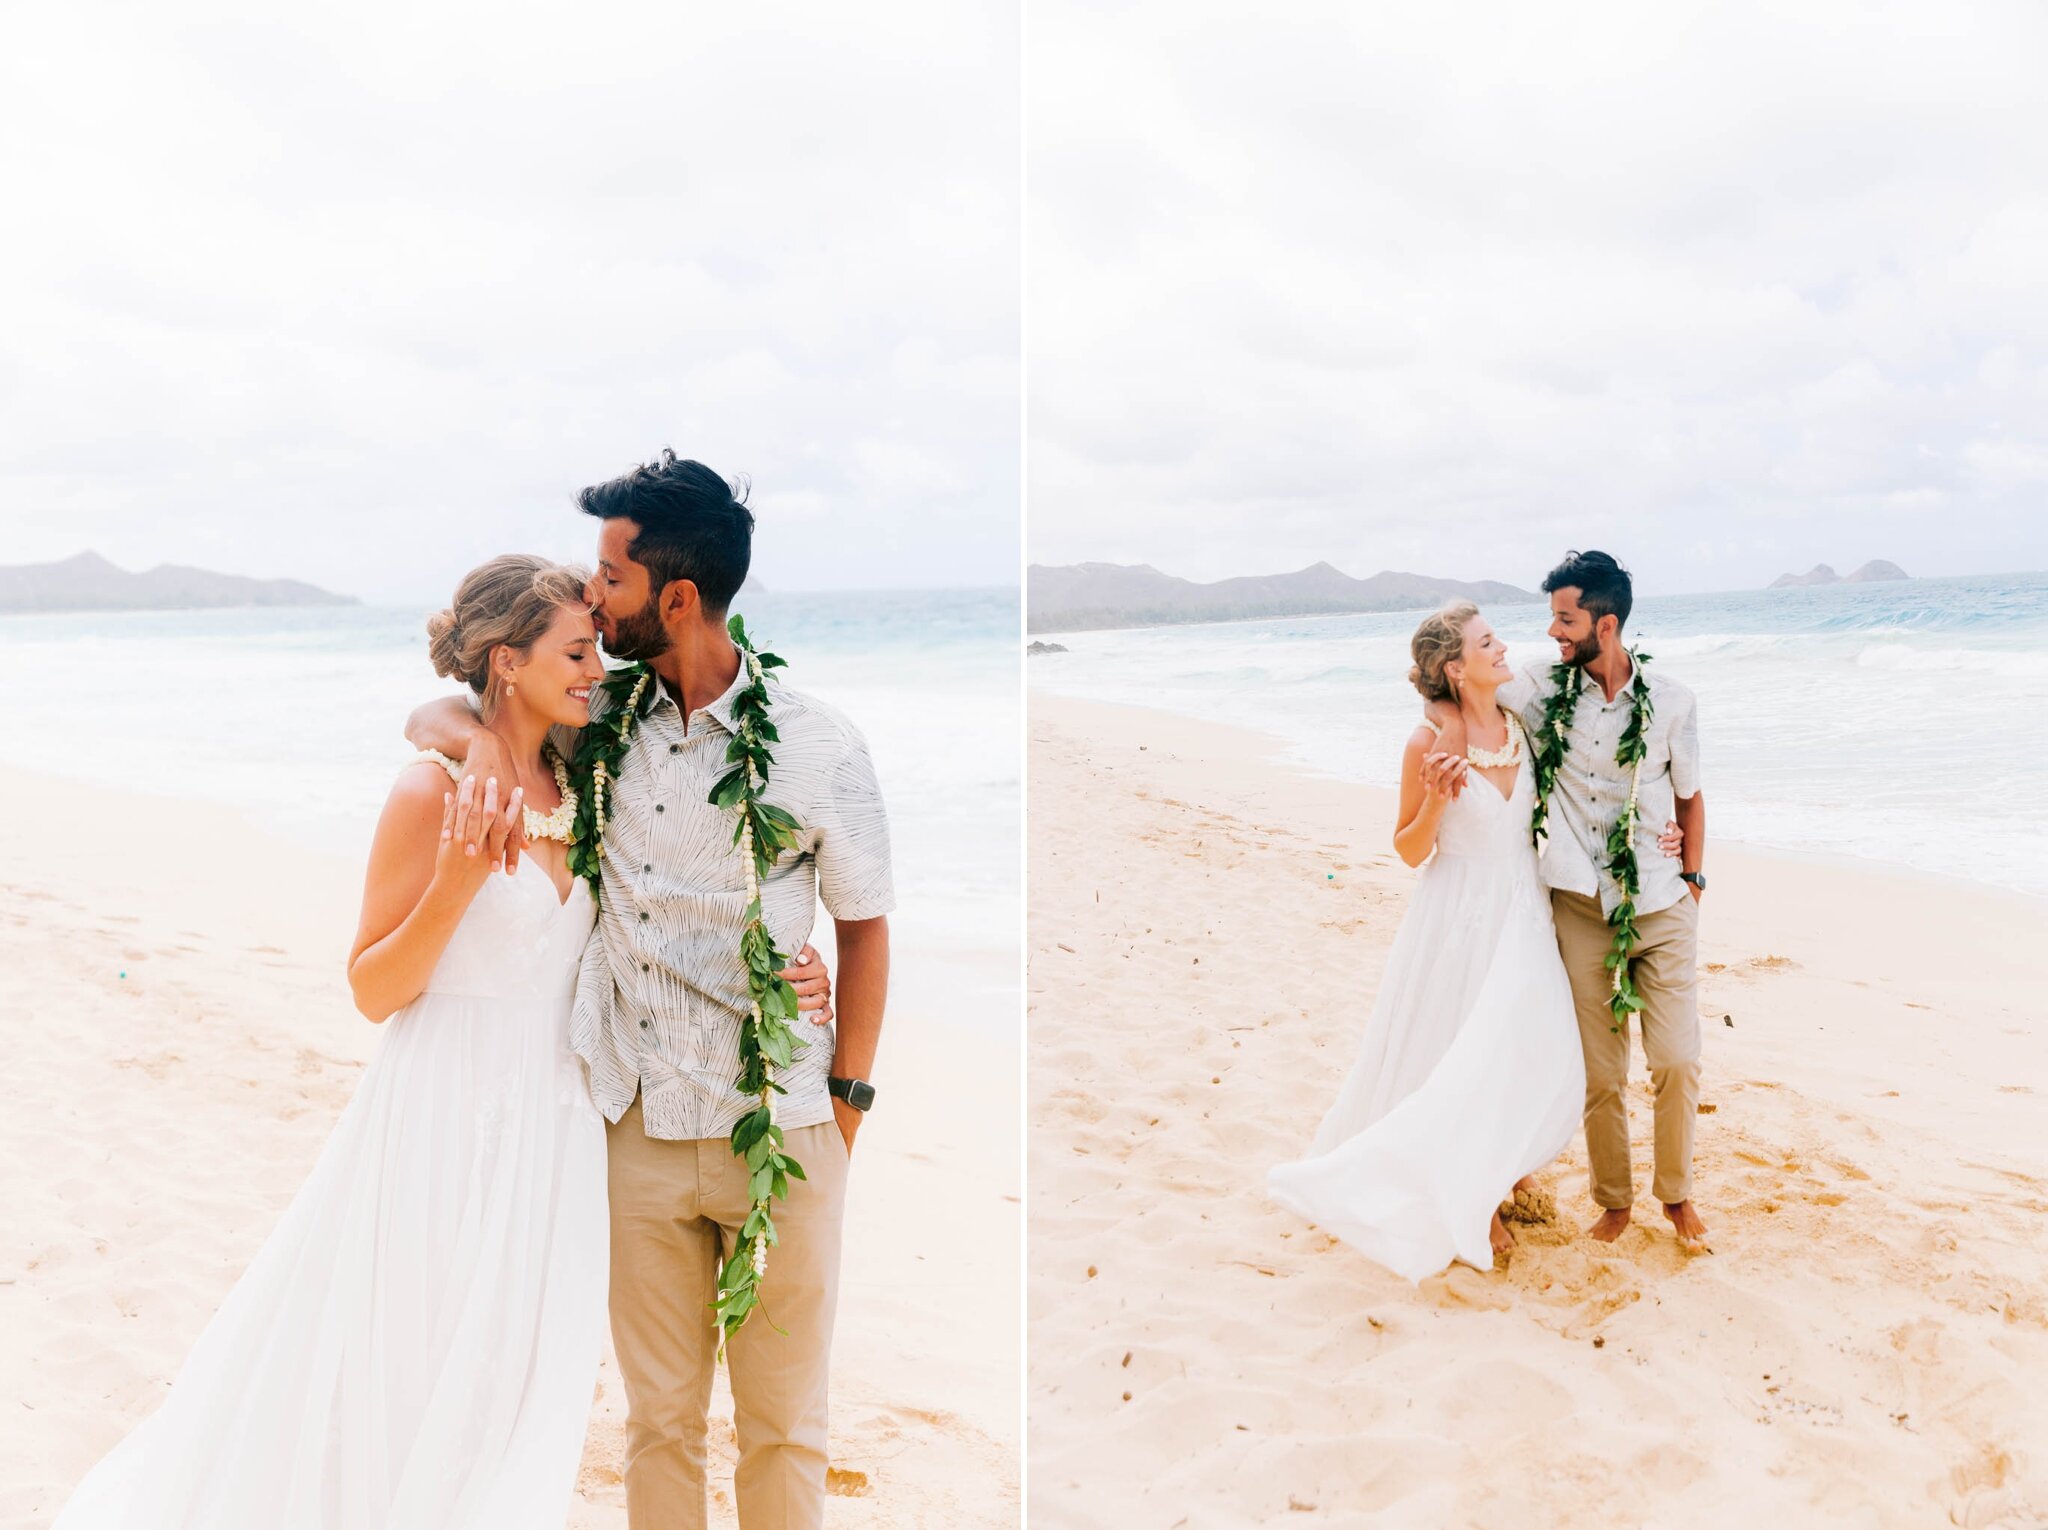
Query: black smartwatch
point(1697, 879)
point(857, 1092)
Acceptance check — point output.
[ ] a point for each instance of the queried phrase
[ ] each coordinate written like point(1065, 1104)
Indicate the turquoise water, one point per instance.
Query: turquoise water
point(1904, 723)
point(295, 716)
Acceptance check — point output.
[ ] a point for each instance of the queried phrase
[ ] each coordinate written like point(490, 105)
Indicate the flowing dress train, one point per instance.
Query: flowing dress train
point(1470, 1073)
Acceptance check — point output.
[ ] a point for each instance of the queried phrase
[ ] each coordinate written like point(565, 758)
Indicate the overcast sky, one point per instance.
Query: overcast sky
point(1726, 290)
point(363, 293)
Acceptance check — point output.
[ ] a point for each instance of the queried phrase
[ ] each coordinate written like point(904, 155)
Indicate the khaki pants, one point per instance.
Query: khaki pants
point(675, 1208)
point(1663, 968)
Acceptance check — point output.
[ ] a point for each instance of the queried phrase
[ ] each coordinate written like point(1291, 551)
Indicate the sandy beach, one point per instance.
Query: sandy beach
point(180, 1041)
point(1862, 1347)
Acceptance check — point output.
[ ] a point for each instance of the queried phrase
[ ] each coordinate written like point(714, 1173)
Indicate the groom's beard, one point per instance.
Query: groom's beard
point(638, 637)
point(1583, 653)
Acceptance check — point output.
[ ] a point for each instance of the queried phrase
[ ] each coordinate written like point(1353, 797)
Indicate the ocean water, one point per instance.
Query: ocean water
point(1905, 723)
point(294, 715)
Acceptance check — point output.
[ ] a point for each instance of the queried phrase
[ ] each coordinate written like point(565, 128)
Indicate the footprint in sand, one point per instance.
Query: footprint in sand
point(1978, 1482)
point(1462, 1287)
point(1081, 1107)
point(1918, 1341)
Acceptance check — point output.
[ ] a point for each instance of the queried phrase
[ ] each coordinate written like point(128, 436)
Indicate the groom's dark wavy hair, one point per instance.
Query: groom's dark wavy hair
point(693, 525)
point(1603, 584)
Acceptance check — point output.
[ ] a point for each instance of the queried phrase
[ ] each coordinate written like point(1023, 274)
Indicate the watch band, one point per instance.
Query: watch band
point(1696, 878)
point(857, 1092)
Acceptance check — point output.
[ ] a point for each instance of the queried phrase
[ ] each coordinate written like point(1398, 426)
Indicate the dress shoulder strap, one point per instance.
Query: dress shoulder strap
point(436, 757)
point(1433, 725)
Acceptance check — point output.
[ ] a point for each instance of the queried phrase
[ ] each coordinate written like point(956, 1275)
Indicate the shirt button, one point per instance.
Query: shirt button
point(657, 807)
point(643, 916)
point(675, 748)
point(647, 868)
point(646, 1025)
point(643, 966)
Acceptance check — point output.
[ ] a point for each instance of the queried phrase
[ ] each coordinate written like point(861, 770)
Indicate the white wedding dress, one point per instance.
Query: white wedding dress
point(1470, 1073)
point(415, 1346)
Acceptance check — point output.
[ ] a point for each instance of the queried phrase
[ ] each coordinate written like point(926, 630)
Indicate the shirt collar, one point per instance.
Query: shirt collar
point(721, 711)
point(1598, 692)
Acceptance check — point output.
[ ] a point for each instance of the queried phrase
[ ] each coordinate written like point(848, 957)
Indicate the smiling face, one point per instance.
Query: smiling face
point(623, 596)
point(554, 676)
point(1484, 660)
point(1574, 629)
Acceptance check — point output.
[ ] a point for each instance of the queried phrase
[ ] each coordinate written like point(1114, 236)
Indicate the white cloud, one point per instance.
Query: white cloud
point(363, 294)
point(1725, 289)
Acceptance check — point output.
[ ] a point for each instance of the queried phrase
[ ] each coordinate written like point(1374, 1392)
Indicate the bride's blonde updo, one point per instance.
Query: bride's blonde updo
point(511, 600)
point(1439, 640)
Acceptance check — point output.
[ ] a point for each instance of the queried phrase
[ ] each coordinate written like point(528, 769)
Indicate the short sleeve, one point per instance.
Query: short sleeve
point(1522, 694)
point(855, 877)
point(1685, 749)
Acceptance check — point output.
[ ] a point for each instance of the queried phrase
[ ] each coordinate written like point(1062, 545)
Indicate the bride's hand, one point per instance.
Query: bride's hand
point(1672, 840)
point(488, 758)
point(474, 830)
point(1442, 776)
point(813, 984)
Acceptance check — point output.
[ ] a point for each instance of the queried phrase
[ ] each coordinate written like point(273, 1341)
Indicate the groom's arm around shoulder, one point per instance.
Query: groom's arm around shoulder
point(451, 725)
point(1521, 695)
point(446, 725)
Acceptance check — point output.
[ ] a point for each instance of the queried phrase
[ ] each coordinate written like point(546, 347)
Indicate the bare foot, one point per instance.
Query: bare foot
point(1503, 1240)
point(1692, 1232)
point(1610, 1225)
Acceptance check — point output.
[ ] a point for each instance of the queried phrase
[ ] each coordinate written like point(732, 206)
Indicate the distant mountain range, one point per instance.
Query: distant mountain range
point(1872, 572)
point(1081, 596)
point(89, 582)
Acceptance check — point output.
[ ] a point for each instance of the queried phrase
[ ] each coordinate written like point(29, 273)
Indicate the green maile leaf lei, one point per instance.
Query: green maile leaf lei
point(1568, 682)
point(768, 1036)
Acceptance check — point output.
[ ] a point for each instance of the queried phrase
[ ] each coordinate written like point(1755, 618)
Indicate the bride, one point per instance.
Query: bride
point(415, 1345)
point(1470, 1076)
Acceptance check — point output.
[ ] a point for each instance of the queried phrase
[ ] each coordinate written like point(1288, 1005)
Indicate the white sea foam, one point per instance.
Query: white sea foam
point(1964, 665)
point(1906, 723)
point(294, 716)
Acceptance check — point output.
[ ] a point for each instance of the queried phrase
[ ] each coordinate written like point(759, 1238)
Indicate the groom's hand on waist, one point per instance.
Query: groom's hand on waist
point(813, 984)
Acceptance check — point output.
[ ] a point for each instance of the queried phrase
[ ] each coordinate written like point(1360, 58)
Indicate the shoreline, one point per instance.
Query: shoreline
point(1277, 747)
point(1207, 931)
point(184, 1039)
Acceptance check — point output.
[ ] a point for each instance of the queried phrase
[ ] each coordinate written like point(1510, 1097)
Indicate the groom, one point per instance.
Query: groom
point(1590, 597)
point(663, 992)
